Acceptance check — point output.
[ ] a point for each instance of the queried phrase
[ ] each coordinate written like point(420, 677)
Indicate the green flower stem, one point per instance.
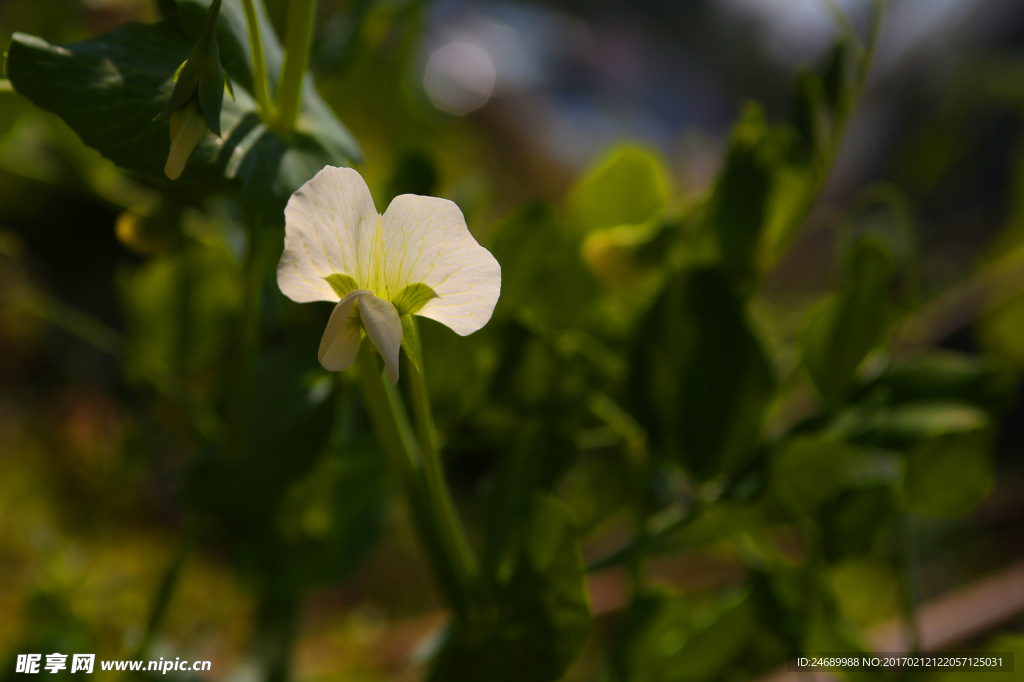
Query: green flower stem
point(390, 421)
point(260, 82)
point(298, 41)
point(437, 486)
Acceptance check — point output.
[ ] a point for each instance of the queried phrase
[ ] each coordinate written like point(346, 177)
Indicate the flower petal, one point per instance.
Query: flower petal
point(326, 221)
point(383, 326)
point(426, 241)
point(341, 339)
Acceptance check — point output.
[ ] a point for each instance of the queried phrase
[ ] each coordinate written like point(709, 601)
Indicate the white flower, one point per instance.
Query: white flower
point(418, 258)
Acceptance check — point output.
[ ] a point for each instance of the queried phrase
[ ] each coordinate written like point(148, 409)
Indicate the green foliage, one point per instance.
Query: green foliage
point(842, 329)
point(535, 623)
point(541, 271)
point(700, 382)
point(109, 88)
point(949, 475)
point(738, 206)
point(179, 308)
point(677, 638)
point(628, 186)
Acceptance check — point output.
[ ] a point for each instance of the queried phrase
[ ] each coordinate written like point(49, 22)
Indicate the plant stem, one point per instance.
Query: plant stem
point(298, 41)
point(245, 342)
point(437, 486)
point(168, 585)
point(400, 445)
point(260, 82)
point(909, 590)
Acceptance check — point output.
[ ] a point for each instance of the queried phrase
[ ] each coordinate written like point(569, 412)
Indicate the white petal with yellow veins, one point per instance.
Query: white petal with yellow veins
point(329, 221)
point(340, 341)
point(426, 240)
point(384, 327)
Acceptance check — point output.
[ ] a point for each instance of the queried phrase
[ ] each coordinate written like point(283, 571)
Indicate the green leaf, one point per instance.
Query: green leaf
point(855, 521)
point(109, 88)
point(671, 638)
point(842, 329)
point(810, 470)
point(542, 273)
point(539, 619)
point(700, 381)
point(628, 186)
point(948, 376)
point(906, 424)
point(737, 209)
point(948, 476)
point(178, 308)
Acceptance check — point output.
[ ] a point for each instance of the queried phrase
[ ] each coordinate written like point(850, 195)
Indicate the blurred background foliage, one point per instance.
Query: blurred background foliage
point(752, 385)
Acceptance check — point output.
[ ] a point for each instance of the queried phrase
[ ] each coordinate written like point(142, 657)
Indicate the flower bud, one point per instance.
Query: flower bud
point(196, 100)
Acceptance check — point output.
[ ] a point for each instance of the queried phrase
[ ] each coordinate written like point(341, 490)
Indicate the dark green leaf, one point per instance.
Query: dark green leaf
point(109, 88)
point(738, 208)
point(841, 330)
point(700, 381)
point(539, 618)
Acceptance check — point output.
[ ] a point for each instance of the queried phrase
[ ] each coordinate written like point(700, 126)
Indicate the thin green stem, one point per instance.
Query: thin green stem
point(298, 42)
point(168, 585)
point(437, 486)
point(391, 423)
point(908, 559)
point(246, 341)
point(260, 81)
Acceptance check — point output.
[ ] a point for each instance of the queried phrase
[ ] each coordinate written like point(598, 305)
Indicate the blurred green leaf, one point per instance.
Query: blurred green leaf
point(854, 521)
point(949, 475)
point(683, 639)
point(178, 308)
point(866, 590)
point(540, 615)
point(738, 207)
point(628, 186)
point(810, 470)
point(948, 376)
point(109, 88)
point(542, 273)
point(842, 329)
point(700, 382)
point(906, 424)
point(826, 631)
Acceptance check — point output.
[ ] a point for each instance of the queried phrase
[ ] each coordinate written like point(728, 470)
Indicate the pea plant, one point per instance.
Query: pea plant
point(615, 363)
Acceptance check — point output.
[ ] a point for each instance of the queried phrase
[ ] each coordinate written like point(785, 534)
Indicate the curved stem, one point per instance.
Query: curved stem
point(390, 421)
point(437, 486)
point(298, 41)
point(260, 82)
